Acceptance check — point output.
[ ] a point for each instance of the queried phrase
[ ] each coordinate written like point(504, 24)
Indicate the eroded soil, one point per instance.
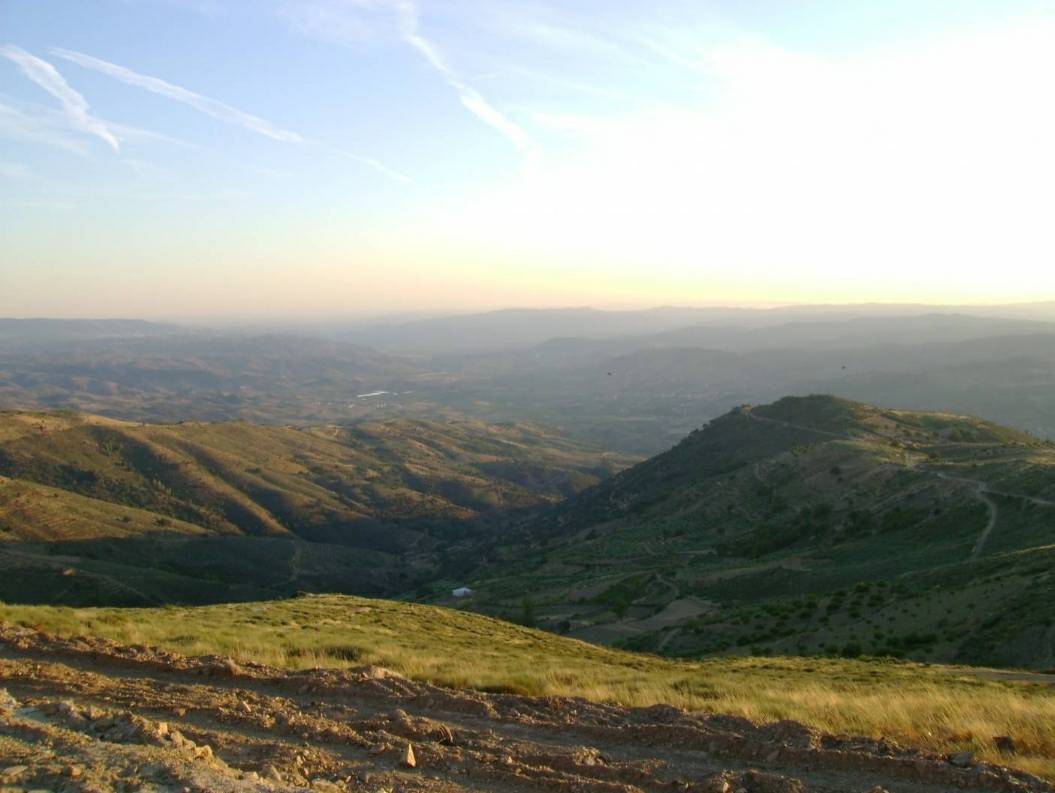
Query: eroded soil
point(84, 714)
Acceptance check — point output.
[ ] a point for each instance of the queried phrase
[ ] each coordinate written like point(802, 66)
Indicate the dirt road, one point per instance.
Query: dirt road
point(981, 492)
point(89, 715)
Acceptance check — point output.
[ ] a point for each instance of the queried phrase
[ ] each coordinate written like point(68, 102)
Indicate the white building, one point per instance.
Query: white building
point(461, 592)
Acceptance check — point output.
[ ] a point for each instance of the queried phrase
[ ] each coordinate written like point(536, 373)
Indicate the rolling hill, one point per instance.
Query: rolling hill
point(95, 510)
point(812, 525)
point(809, 526)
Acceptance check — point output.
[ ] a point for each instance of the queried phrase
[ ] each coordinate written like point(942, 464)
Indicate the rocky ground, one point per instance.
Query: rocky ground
point(84, 714)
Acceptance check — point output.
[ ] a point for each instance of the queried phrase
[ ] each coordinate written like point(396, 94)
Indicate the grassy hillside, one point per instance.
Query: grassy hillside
point(118, 508)
point(937, 707)
point(813, 526)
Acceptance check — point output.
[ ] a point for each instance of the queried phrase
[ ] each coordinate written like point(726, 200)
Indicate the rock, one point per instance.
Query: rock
point(72, 771)
point(717, 785)
point(204, 752)
point(8, 704)
point(13, 773)
point(877, 789)
point(961, 759)
point(270, 772)
point(1005, 744)
point(409, 760)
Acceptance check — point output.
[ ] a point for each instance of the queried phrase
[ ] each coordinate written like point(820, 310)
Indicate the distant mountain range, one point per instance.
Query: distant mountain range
point(518, 328)
point(630, 381)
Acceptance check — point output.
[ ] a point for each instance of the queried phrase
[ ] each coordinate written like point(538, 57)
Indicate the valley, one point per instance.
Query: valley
point(96, 510)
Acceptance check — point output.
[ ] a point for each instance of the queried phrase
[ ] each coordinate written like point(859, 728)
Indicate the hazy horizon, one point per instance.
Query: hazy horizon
point(328, 158)
point(384, 317)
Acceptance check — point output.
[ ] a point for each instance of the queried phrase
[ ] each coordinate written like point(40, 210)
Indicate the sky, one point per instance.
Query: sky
point(348, 158)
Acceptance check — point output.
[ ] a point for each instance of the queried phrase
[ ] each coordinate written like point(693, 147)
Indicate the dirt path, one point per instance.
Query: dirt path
point(90, 715)
point(981, 491)
point(750, 413)
point(994, 510)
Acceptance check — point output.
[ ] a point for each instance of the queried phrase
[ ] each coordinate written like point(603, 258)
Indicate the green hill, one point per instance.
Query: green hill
point(95, 510)
point(809, 526)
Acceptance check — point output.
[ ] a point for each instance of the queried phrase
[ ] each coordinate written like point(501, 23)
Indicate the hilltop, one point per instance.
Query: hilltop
point(812, 525)
point(96, 510)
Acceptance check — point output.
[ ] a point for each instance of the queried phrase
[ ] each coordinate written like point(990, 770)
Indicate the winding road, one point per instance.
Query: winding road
point(981, 491)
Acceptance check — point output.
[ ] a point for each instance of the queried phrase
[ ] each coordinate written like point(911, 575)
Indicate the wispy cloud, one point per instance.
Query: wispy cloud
point(203, 104)
point(471, 99)
point(350, 21)
point(74, 105)
point(215, 108)
point(125, 132)
point(34, 123)
point(19, 126)
point(370, 162)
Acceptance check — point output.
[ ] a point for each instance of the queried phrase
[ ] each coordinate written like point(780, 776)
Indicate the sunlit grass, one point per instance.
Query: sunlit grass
point(940, 708)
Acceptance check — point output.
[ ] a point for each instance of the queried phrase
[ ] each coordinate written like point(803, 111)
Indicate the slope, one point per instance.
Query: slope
point(556, 713)
point(360, 508)
point(812, 525)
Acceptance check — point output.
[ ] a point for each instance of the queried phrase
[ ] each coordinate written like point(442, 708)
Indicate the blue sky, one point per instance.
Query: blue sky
point(347, 157)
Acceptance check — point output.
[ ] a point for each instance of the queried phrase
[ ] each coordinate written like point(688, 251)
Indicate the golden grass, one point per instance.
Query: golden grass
point(940, 708)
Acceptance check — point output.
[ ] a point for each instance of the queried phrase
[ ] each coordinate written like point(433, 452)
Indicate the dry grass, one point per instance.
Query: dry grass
point(940, 708)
